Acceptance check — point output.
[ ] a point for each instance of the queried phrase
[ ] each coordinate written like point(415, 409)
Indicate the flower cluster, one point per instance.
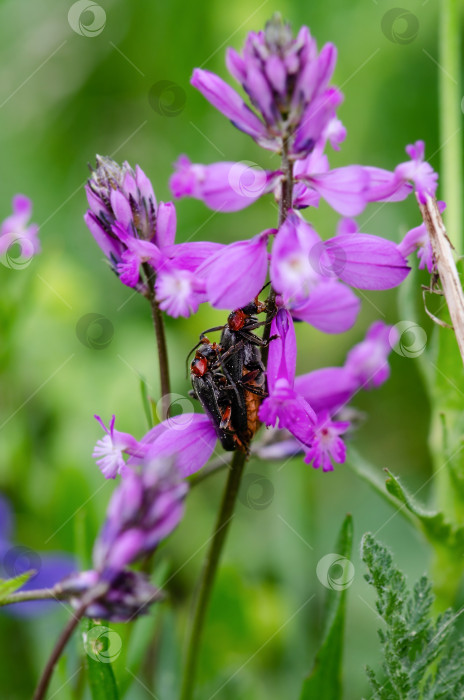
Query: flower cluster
point(144, 509)
point(293, 112)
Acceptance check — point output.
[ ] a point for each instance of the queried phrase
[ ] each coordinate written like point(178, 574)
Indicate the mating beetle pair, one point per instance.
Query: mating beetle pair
point(229, 377)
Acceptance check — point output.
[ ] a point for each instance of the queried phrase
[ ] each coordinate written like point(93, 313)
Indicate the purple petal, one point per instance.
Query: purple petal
point(166, 223)
point(385, 186)
point(110, 246)
point(190, 256)
point(144, 185)
point(235, 65)
point(121, 208)
point(22, 207)
point(343, 188)
point(314, 120)
point(229, 102)
point(327, 389)
point(331, 308)
point(190, 437)
point(237, 273)
point(282, 350)
point(365, 261)
point(223, 186)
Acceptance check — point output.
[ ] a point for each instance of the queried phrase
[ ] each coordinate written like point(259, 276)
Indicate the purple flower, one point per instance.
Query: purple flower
point(223, 186)
point(287, 81)
point(236, 273)
point(125, 219)
point(109, 450)
point(15, 231)
point(128, 595)
point(418, 238)
point(145, 508)
point(305, 271)
point(417, 171)
point(189, 439)
point(367, 362)
point(327, 445)
point(284, 404)
point(328, 388)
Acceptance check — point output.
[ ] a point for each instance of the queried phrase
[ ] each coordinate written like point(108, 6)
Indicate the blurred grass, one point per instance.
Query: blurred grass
point(58, 110)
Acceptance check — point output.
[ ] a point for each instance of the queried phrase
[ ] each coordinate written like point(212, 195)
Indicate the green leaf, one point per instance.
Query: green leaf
point(325, 682)
point(432, 523)
point(101, 645)
point(10, 585)
point(421, 656)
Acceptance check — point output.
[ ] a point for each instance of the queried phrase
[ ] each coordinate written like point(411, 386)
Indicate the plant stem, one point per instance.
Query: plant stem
point(284, 205)
point(38, 594)
point(160, 334)
point(233, 483)
point(450, 96)
point(209, 572)
point(44, 681)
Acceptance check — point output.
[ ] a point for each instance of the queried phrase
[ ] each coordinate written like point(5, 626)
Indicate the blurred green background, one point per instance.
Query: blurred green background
point(64, 98)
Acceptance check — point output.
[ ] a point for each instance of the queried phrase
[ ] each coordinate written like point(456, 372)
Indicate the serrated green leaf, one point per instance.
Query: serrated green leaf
point(100, 644)
point(10, 585)
point(325, 680)
point(422, 658)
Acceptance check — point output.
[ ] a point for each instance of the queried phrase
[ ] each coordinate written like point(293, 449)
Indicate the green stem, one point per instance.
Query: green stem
point(233, 483)
point(38, 594)
point(450, 96)
point(160, 334)
point(209, 573)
